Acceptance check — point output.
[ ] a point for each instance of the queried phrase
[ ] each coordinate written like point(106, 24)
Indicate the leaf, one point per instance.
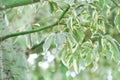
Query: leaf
point(86, 53)
point(48, 42)
point(78, 35)
point(101, 3)
point(96, 56)
point(88, 58)
point(67, 61)
point(71, 40)
point(91, 11)
point(109, 55)
point(95, 66)
point(79, 9)
point(99, 38)
point(21, 41)
point(87, 35)
point(37, 48)
point(70, 2)
point(117, 21)
point(60, 39)
point(69, 23)
point(82, 64)
point(114, 48)
point(53, 6)
point(75, 66)
point(63, 69)
point(67, 58)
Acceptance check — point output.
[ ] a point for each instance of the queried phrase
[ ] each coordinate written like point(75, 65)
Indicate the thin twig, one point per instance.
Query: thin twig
point(35, 30)
point(115, 3)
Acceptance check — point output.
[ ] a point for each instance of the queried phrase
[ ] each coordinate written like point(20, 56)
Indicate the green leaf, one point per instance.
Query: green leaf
point(101, 3)
point(71, 40)
point(78, 35)
point(114, 48)
point(60, 39)
point(69, 23)
point(95, 66)
point(67, 61)
point(86, 53)
point(75, 66)
point(117, 21)
point(95, 56)
point(82, 64)
point(21, 41)
point(109, 55)
point(99, 38)
point(89, 59)
point(48, 42)
point(37, 48)
point(79, 9)
point(53, 6)
point(63, 69)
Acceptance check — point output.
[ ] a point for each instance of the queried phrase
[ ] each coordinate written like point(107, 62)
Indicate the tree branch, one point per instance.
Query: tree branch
point(34, 30)
point(115, 3)
point(31, 50)
point(15, 3)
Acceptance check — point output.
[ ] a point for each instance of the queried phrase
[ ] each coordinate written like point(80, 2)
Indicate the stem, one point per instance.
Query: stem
point(116, 3)
point(37, 45)
point(15, 3)
point(34, 30)
point(29, 50)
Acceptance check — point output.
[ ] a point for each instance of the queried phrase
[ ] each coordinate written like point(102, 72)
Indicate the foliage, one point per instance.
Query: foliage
point(77, 43)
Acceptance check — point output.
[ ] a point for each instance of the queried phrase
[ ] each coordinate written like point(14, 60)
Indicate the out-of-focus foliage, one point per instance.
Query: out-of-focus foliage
point(85, 45)
point(12, 58)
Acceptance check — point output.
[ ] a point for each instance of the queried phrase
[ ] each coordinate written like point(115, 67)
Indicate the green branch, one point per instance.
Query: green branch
point(115, 3)
point(34, 30)
point(31, 50)
point(15, 3)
